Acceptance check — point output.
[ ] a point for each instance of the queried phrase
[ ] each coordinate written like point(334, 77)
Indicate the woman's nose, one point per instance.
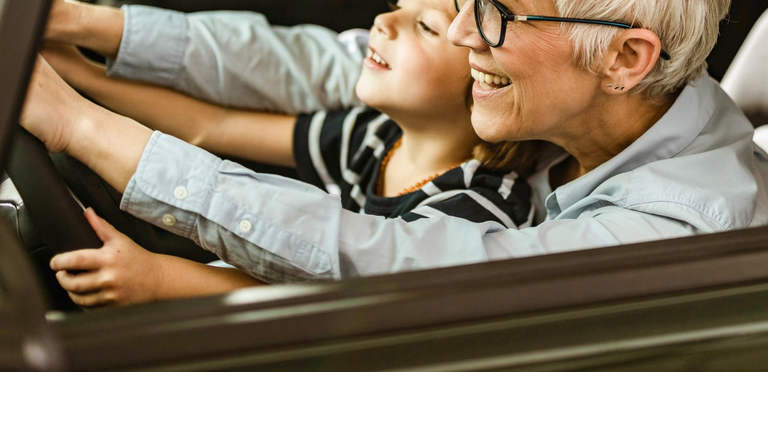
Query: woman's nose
point(463, 30)
point(386, 24)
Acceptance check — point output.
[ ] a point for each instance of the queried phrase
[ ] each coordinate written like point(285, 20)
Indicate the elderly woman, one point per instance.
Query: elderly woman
point(654, 148)
point(634, 142)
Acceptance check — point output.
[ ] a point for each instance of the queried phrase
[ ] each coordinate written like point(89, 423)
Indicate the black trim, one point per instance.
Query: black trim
point(26, 342)
point(45, 193)
point(21, 28)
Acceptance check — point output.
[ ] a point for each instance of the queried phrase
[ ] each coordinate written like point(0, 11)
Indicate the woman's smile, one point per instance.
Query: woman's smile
point(487, 85)
point(489, 81)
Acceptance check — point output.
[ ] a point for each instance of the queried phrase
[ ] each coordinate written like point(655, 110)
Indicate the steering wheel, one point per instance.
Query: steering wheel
point(56, 207)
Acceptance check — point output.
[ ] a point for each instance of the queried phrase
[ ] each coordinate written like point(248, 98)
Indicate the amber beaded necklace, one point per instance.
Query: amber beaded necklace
point(415, 187)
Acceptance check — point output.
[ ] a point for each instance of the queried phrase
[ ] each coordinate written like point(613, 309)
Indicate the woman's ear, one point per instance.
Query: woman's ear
point(629, 59)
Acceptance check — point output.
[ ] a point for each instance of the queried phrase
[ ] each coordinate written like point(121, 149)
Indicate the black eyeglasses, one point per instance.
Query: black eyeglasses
point(491, 18)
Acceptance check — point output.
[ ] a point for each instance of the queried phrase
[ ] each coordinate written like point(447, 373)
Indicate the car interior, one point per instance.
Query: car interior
point(697, 303)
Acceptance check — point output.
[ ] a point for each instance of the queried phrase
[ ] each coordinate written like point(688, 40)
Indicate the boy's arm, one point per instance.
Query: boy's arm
point(239, 59)
point(262, 137)
point(234, 59)
point(122, 273)
point(98, 28)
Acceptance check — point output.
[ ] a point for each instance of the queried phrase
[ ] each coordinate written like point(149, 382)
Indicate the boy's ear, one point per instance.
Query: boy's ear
point(630, 58)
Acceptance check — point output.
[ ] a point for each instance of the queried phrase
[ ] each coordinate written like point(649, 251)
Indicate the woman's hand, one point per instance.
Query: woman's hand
point(53, 111)
point(122, 273)
point(119, 273)
point(109, 144)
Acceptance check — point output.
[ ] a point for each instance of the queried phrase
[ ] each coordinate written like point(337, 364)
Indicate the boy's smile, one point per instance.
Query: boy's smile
point(427, 76)
point(375, 57)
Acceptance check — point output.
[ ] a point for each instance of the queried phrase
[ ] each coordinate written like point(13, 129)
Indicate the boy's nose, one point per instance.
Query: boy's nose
point(385, 24)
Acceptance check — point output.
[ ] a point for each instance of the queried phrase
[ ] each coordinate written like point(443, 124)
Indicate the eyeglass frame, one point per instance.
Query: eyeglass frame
point(507, 15)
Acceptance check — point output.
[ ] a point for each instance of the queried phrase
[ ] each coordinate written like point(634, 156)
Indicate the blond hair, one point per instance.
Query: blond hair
point(688, 30)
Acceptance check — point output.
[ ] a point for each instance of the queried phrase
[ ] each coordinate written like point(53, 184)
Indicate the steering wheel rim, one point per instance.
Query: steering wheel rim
point(33, 172)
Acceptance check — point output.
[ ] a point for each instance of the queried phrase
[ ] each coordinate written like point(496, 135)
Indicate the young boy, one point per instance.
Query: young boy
point(408, 154)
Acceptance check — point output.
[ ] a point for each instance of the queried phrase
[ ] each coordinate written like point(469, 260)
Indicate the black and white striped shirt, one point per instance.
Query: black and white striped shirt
point(341, 152)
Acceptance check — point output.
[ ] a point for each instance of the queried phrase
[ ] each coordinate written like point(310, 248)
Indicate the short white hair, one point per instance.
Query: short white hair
point(688, 30)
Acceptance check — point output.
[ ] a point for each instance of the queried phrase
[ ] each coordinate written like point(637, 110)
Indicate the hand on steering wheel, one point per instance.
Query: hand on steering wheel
point(52, 111)
point(119, 273)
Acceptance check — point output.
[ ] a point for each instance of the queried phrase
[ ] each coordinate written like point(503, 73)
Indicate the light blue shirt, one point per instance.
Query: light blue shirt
point(238, 59)
point(696, 171)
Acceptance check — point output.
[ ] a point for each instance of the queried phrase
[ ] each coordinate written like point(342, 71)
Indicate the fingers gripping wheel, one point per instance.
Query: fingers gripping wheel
point(44, 181)
point(58, 220)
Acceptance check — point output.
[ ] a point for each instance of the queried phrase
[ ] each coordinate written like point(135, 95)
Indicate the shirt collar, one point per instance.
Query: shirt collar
point(675, 131)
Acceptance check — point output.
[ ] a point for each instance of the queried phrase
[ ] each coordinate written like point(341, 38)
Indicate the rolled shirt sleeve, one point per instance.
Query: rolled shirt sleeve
point(238, 59)
point(263, 224)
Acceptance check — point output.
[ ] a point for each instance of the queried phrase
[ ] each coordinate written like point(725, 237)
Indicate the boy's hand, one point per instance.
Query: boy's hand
point(96, 27)
point(63, 20)
point(119, 273)
point(70, 64)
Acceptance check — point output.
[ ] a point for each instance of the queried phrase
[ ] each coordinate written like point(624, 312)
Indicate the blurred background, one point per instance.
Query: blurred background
point(338, 15)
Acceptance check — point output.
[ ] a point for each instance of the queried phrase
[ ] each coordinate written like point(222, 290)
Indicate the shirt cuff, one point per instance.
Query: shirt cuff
point(166, 167)
point(152, 47)
point(230, 211)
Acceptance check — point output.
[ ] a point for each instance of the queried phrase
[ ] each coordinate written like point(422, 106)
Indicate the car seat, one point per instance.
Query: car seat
point(746, 79)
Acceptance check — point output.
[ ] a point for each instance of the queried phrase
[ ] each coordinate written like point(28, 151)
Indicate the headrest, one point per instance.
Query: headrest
point(746, 79)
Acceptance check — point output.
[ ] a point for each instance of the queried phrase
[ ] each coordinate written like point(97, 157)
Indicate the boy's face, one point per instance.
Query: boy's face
point(412, 69)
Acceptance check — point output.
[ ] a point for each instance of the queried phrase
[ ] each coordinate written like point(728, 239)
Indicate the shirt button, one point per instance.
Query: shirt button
point(169, 220)
point(180, 192)
point(245, 226)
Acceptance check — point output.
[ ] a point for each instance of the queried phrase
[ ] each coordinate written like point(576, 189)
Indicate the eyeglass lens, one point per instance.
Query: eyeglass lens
point(489, 21)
